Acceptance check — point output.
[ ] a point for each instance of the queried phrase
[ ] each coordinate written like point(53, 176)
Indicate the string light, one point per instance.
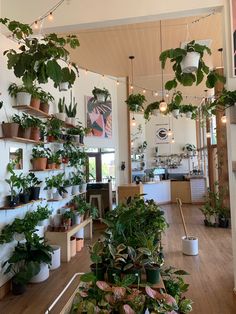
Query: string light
point(172, 140)
point(223, 119)
point(117, 82)
point(86, 71)
point(50, 16)
point(36, 25)
point(169, 133)
point(131, 87)
point(155, 94)
point(144, 91)
point(133, 121)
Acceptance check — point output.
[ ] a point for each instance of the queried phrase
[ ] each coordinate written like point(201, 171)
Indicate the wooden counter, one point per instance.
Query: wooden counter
point(126, 190)
point(181, 189)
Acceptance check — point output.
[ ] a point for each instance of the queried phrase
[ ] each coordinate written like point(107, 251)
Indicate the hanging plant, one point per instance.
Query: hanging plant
point(150, 109)
point(188, 75)
point(189, 111)
point(174, 106)
point(40, 59)
point(135, 102)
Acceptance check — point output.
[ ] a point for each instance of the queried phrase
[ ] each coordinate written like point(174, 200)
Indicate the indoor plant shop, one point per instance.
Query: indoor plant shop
point(116, 133)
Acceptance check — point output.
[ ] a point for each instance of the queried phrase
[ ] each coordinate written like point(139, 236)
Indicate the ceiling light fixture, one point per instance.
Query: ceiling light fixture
point(163, 104)
point(132, 73)
point(172, 140)
point(169, 133)
point(50, 16)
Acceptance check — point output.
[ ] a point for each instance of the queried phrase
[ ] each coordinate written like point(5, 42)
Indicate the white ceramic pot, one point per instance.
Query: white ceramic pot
point(23, 99)
point(80, 234)
point(75, 189)
point(175, 113)
point(60, 115)
point(190, 62)
point(155, 112)
point(64, 86)
point(69, 190)
point(190, 245)
point(188, 115)
point(43, 223)
point(100, 97)
point(42, 275)
point(57, 220)
point(68, 120)
point(77, 219)
point(83, 187)
point(73, 121)
point(56, 257)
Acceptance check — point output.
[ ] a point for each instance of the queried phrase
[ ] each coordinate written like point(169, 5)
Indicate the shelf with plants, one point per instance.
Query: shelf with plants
point(21, 205)
point(33, 111)
point(67, 198)
point(20, 140)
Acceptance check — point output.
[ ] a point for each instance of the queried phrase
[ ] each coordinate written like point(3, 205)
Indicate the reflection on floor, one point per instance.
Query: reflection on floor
point(211, 279)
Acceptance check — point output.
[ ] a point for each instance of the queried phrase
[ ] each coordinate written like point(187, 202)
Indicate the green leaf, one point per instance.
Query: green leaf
point(171, 84)
point(54, 71)
point(200, 76)
point(187, 79)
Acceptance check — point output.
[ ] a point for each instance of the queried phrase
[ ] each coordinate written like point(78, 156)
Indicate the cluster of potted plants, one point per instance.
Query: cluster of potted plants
point(131, 241)
point(216, 214)
point(67, 113)
point(30, 260)
point(23, 188)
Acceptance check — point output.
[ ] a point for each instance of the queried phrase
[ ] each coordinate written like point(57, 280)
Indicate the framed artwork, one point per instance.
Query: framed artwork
point(98, 117)
point(162, 134)
point(233, 31)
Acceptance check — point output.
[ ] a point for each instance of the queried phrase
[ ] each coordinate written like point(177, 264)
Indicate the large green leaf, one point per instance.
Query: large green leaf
point(54, 71)
point(171, 84)
point(200, 76)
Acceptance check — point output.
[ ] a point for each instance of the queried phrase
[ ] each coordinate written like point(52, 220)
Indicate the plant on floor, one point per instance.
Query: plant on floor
point(177, 57)
point(135, 102)
point(34, 62)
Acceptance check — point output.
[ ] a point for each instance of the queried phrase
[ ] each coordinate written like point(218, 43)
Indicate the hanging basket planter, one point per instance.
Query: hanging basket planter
point(188, 115)
point(175, 113)
point(190, 62)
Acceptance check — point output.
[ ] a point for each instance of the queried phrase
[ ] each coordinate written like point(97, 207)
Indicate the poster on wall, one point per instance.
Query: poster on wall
point(233, 30)
point(98, 117)
point(162, 133)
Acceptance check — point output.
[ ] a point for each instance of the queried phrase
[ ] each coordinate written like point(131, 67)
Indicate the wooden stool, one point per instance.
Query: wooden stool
point(98, 199)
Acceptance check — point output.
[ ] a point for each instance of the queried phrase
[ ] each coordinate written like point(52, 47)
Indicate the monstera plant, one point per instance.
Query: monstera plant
point(38, 60)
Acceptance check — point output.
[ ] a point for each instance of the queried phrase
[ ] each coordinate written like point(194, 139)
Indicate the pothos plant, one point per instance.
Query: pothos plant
point(176, 57)
point(40, 59)
point(135, 102)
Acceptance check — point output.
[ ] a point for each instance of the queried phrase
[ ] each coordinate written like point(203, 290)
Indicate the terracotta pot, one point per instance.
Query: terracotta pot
point(39, 163)
point(57, 166)
point(51, 166)
point(78, 245)
point(44, 107)
point(10, 129)
point(24, 133)
point(35, 134)
point(35, 103)
point(51, 138)
point(72, 246)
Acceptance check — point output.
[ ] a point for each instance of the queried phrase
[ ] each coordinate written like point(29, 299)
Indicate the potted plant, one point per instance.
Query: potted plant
point(53, 160)
point(35, 97)
point(67, 218)
point(68, 186)
point(54, 129)
point(37, 129)
point(97, 256)
point(152, 108)
point(61, 109)
point(189, 110)
point(10, 129)
point(187, 73)
point(174, 105)
point(21, 93)
point(101, 95)
point(45, 98)
point(25, 123)
point(55, 186)
point(75, 181)
point(32, 62)
point(24, 183)
point(34, 186)
point(135, 102)
point(14, 184)
point(40, 155)
point(71, 110)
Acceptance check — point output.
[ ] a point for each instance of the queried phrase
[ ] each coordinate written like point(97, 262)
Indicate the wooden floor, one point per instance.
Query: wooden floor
point(211, 279)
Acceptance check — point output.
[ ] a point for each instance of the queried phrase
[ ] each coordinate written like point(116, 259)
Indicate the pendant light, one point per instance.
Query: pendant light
point(163, 104)
point(132, 73)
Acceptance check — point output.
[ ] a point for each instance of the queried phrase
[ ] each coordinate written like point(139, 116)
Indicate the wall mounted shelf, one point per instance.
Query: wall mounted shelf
point(46, 170)
point(33, 111)
point(20, 140)
point(21, 205)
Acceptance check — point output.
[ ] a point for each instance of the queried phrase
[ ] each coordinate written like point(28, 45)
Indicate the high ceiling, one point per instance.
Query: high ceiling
point(106, 50)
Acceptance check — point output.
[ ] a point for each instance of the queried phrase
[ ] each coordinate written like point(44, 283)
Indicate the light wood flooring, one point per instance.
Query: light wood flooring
point(211, 274)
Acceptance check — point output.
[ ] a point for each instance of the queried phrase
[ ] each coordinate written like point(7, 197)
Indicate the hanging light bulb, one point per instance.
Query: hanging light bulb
point(86, 71)
point(155, 94)
point(133, 121)
point(117, 82)
point(208, 134)
point(172, 140)
point(36, 25)
point(131, 87)
point(132, 143)
point(169, 133)
point(223, 119)
point(144, 91)
point(50, 16)
point(163, 106)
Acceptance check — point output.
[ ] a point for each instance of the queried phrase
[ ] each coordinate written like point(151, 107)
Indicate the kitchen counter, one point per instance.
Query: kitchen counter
point(159, 191)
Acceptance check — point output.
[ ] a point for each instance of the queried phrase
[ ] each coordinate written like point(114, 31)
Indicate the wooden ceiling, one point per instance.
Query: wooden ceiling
point(106, 50)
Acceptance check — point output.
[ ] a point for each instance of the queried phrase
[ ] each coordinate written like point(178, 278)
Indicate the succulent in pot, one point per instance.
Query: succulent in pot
point(135, 102)
point(71, 110)
point(61, 115)
point(101, 95)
